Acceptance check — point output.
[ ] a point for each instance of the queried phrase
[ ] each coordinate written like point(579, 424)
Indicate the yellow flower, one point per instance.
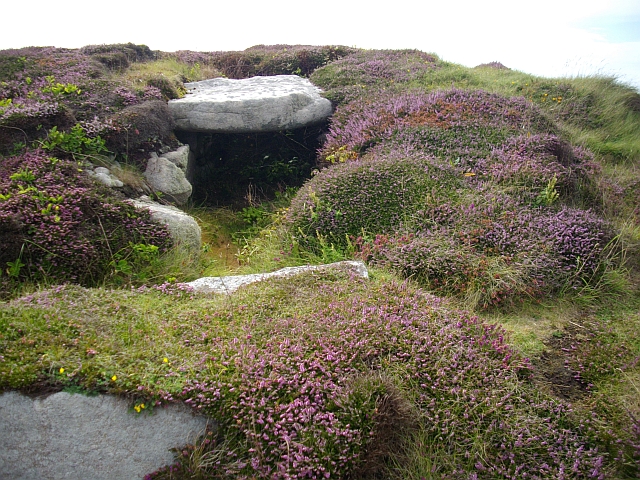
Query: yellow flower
point(469, 174)
point(142, 405)
point(137, 408)
point(61, 370)
point(165, 360)
point(114, 378)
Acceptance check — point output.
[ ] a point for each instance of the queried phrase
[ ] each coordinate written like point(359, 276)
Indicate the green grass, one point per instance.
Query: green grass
point(140, 74)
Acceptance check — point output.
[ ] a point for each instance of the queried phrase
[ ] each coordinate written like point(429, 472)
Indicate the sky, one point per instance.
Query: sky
point(550, 38)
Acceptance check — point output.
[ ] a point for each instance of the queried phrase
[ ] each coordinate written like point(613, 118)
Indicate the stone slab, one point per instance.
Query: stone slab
point(230, 284)
point(65, 436)
point(257, 104)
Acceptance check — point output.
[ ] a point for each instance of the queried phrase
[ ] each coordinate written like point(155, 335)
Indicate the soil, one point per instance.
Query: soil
point(551, 372)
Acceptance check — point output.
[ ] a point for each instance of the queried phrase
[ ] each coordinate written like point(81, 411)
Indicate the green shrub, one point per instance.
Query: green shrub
point(376, 195)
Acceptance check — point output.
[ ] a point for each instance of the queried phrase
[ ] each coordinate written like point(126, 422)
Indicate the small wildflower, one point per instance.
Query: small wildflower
point(61, 370)
point(114, 378)
point(165, 360)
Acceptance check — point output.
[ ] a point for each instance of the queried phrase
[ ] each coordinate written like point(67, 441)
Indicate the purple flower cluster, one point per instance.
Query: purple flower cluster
point(30, 86)
point(127, 97)
point(289, 390)
point(531, 161)
point(374, 67)
point(46, 87)
point(507, 249)
point(364, 123)
point(61, 227)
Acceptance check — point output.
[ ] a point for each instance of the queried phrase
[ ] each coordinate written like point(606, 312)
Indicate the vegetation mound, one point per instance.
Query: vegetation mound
point(446, 189)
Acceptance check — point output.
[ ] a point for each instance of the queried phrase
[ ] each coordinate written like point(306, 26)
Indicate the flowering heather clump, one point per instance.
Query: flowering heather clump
point(496, 250)
point(375, 67)
point(532, 161)
point(46, 87)
point(118, 56)
point(364, 123)
point(45, 80)
point(57, 225)
point(263, 60)
point(127, 96)
point(372, 195)
point(299, 391)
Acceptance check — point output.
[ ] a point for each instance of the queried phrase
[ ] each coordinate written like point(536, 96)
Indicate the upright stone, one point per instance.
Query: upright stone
point(257, 104)
point(165, 176)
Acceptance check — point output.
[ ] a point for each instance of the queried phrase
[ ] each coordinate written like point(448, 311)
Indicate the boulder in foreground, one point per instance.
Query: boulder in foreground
point(183, 228)
point(76, 436)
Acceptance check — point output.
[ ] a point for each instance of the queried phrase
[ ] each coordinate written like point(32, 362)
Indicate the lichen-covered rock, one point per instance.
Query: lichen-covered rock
point(257, 104)
point(78, 436)
point(165, 176)
point(179, 157)
point(183, 228)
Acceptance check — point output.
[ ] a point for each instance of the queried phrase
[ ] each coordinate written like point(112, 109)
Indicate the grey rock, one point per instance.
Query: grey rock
point(65, 436)
point(183, 228)
point(104, 176)
point(230, 284)
point(164, 176)
point(179, 157)
point(257, 104)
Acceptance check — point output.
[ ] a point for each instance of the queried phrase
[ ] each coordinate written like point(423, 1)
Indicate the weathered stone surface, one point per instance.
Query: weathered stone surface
point(231, 283)
point(104, 176)
point(257, 104)
point(179, 157)
point(66, 436)
point(165, 176)
point(183, 228)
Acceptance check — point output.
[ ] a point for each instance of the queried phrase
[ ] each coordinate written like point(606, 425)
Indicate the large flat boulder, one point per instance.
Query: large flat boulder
point(67, 436)
point(257, 104)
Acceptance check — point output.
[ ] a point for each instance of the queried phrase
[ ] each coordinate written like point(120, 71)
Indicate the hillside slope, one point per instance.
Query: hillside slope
point(499, 214)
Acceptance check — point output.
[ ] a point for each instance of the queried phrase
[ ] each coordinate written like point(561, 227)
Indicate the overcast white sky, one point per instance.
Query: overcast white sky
point(542, 37)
